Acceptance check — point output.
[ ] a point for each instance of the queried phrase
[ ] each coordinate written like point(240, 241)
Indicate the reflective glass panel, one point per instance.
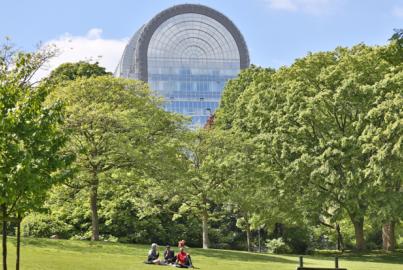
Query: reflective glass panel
point(190, 58)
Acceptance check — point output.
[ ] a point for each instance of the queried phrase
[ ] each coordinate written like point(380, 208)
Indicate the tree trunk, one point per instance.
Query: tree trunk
point(278, 230)
point(4, 233)
point(340, 244)
point(260, 246)
point(94, 209)
point(248, 235)
point(17, 264)
point(388, 236)
point(205, 229)
point(359, 233)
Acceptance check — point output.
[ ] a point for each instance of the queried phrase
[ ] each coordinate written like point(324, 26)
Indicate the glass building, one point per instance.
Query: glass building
point(186, 53)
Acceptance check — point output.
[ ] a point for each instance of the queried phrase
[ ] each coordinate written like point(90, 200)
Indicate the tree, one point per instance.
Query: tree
point(397, 37)
point(382, 138)
point(30, 138)
point(308, 120)
point(205, 174)
point(249, 193)
point(72, 71)
point(114, 124)
point(227, 112)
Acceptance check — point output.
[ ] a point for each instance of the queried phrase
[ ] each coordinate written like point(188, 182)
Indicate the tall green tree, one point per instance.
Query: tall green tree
point(30, 138)
point(382, 139)
point(248, 192)
point(204, 177)
point(114, 124)
point(308, 120)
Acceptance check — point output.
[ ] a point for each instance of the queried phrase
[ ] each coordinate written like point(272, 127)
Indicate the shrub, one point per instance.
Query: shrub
point(374, 237)
point(43, 225)
point(277, 246)
point(298, 239)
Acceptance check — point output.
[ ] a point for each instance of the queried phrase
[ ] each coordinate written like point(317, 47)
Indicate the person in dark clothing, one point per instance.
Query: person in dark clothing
point(153, 255)
point(169, 255)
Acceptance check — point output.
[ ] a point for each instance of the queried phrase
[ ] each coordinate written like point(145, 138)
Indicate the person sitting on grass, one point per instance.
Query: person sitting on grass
point(183, 259)
point(169, 255)
point(153, 255)
point(181, 243)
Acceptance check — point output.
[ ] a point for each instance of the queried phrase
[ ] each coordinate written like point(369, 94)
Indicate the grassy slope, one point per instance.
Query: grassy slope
point(44, 254)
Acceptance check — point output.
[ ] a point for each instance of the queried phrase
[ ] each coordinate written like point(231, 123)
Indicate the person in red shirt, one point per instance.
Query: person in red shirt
point(183, 259)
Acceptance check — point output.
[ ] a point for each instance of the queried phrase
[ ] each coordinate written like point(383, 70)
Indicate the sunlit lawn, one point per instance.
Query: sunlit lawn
point(46, 254)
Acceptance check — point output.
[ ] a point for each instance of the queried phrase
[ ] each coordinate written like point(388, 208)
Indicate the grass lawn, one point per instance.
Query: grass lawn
point(46, 254)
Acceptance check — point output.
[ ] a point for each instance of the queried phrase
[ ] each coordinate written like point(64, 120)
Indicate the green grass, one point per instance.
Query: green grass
point(46, 254)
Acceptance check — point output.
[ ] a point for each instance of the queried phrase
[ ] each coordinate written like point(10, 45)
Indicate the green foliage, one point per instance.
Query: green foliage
point(122, 138)
point(307, 147)
point(203, 179)
point(328, 131)
point(72, 71)
point(277, 246)
point(235, 88)
point(298, 239)
point(398, 37)
point(30, 136)
point(43, 225)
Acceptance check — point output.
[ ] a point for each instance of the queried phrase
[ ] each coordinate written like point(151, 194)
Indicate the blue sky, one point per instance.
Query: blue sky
point(276, 31)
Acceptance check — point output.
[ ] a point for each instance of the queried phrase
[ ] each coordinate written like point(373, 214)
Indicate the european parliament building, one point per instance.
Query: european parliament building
point(186, 53)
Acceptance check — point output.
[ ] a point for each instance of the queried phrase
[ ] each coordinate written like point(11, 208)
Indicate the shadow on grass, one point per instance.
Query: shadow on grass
point(82, 246)
point(394, 258)
point(373, 257)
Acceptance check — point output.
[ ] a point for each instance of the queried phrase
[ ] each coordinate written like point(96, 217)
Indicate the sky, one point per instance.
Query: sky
point(276, 31)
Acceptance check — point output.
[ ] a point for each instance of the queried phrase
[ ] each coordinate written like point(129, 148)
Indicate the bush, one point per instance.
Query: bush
point(82, 236)
point(372, 246)
point(298, 239)
point(43, 225)
point(374, 239)
point(277, 246)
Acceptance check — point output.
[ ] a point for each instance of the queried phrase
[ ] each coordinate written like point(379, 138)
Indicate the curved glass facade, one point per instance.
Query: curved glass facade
point(190, 58)
point(187, 53)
